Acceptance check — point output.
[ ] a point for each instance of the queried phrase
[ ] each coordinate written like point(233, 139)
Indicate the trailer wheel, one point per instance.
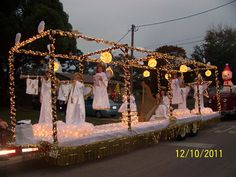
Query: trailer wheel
point(194, 130)
point(182, 135)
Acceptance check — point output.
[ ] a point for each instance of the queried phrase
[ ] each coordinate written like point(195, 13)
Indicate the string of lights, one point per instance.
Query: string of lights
point(172, 65)
point(178, 42)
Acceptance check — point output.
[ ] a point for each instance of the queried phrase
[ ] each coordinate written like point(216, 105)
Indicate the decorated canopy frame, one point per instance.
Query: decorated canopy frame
point(171, 66)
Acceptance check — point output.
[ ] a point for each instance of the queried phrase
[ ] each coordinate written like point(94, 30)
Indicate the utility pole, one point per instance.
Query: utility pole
point(132, 40)
point(132, 56)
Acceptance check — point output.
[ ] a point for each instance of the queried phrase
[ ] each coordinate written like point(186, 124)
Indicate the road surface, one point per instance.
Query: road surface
point(159, 160)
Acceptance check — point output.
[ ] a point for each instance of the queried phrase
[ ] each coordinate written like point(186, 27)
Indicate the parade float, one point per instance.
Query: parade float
point(227, 94)
point(63, 144)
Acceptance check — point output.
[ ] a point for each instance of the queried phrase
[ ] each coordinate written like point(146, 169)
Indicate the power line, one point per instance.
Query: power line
point(184, 43)
point(188, 16)
point(123, 36)
point(173, 42)
point(190, 42)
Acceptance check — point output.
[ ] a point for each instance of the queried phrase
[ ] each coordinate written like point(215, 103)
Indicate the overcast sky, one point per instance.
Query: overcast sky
point(111, 19)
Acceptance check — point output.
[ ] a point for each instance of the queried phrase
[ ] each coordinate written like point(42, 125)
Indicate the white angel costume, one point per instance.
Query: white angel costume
point(182, 107)
point(75, 112)
point(202, 88)
point(64, 91)
point(32, 86)
point(133, 106)
point(162, 110)
point(45, 98)
point(100, 99)
point(176, 91)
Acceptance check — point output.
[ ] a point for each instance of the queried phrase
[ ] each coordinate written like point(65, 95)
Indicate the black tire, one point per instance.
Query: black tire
point(181, 136)
point(98, 114)
point(193, 131)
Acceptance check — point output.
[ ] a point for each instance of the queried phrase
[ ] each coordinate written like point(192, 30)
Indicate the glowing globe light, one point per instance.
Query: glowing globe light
point(167, 76)
point(183, 68)
point(152, 62)
point(146, 73)
point(106, 57)
point(56, 66)
point(208, 73)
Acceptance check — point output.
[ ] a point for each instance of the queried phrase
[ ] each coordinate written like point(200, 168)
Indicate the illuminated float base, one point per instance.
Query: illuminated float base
point(134, 118)
point(110, 139)
point(181, 112)
point(204, 111)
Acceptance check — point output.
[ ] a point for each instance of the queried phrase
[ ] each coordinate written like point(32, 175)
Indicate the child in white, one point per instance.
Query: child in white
point(75, 112)
point(176, 91)
point(100, 100)
point(123, 107)
point(162, 110)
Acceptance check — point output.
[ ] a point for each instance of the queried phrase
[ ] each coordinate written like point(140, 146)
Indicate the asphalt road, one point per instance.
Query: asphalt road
point(156, 161)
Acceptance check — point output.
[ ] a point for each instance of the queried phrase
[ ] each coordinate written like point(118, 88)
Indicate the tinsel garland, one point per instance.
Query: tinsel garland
point(62, 156)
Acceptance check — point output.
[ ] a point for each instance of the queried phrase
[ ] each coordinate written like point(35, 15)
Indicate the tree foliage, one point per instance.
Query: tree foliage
point(219, 47)
point(172, 50)
point(24, 16)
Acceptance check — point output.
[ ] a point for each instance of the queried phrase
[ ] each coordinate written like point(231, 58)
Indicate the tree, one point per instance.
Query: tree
point(219, 48)
point(172, 50)
point(24, 16)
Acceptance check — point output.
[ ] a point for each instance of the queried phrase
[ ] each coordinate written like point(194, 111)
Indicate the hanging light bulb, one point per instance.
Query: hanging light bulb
point(208, 73)
point(57, 66)
point(106, 57)
point(183, 68)
point(17, 38)
point(146, 73)
point(152, 62)
point(140, 62)
point(41, 27)
point(167, 76)
point(49, 47)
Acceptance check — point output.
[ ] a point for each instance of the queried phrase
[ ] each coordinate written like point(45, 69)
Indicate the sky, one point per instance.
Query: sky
point(111, 19)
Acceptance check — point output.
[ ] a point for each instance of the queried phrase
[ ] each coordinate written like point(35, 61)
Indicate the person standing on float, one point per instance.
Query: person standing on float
point(46, 101)
point(75, 112)
point(100, 100)
point(176, 91)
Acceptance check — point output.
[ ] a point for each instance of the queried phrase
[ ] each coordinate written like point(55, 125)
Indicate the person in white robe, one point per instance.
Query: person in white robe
point(182, 107)
point(176, 91)
point(184, 94)
point(133, 106)
point(203, 85)
point(100, 99)
point(202, 88)
point(75, 112)
point(162, 110)
point(45, 98)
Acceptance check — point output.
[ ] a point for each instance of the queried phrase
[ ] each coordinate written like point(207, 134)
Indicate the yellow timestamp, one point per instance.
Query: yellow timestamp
point(199, 153)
